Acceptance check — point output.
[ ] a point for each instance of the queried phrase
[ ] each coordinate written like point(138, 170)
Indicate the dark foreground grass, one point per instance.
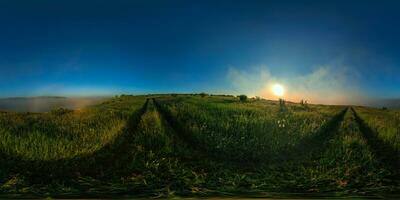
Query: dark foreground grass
point(164, 150)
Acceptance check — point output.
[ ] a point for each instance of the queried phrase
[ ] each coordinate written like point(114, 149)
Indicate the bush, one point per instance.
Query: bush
point(203, 94)
point(242, 98)
point(61, 111)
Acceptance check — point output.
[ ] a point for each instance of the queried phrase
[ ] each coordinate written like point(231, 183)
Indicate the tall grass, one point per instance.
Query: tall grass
point(53, 135)
point(185, 145)
point(245, 131)
point(348, 163)
point(385, 123)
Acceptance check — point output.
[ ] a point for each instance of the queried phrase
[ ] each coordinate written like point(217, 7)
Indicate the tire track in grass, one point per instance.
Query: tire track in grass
point(291, 170)
point(279, 173)
point(108, 173)
point(164, 162)
point(385, 153)
point(185, 147)
point(313, 143)
point(311, 146)
point(173, 123)
point(298, 152)
point(112, 158)
point(347, 164)
point(196, 153)
point(180, 147)
point(97, 164)
point(197, 159)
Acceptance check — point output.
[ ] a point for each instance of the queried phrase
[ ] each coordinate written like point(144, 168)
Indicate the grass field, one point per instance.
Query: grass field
point(189, 145)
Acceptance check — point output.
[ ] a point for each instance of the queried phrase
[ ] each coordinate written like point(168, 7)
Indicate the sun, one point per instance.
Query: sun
point(278, 90)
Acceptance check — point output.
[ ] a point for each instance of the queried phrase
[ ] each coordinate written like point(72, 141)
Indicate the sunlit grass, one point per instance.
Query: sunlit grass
point(54, 135)
point(246, 130)
point(386, 123)
point(191, 145)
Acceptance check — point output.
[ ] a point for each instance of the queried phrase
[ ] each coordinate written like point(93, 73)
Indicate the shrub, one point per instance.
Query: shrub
point(61, 111)
point(203, 94)
point(242, 98)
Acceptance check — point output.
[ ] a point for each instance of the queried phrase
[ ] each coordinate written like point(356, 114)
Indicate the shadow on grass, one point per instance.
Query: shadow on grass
point(312, 146)
point(384, 152)
point(108, 160)
point(198, 149)
point(309, 144)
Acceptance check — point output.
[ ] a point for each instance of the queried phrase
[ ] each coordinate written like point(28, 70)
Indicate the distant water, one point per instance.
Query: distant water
point(45, 104)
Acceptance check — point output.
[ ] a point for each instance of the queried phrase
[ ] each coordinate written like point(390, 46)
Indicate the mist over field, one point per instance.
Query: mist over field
point(324, 85)
point(45, 104)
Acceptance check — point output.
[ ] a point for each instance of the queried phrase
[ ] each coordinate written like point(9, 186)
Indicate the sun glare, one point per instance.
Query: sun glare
point(278, 90)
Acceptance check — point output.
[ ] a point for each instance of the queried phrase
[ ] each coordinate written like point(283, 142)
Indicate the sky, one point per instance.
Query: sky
point(334, 52)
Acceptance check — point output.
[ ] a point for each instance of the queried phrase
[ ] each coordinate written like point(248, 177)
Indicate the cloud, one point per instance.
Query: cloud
point(325, 84)
point(249, 82)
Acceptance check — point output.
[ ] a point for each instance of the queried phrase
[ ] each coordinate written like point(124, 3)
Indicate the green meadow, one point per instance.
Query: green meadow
point(200, 146)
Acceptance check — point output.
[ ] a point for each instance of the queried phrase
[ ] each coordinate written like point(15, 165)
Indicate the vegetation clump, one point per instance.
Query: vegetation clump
point(203, 94)
point(61, 111)
point(242, 98)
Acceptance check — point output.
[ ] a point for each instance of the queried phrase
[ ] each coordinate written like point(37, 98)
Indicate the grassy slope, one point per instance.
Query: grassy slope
point(164, 149)
point(65, 134)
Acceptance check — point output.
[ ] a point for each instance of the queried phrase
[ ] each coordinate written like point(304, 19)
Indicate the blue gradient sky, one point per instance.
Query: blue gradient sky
point(348, 49)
